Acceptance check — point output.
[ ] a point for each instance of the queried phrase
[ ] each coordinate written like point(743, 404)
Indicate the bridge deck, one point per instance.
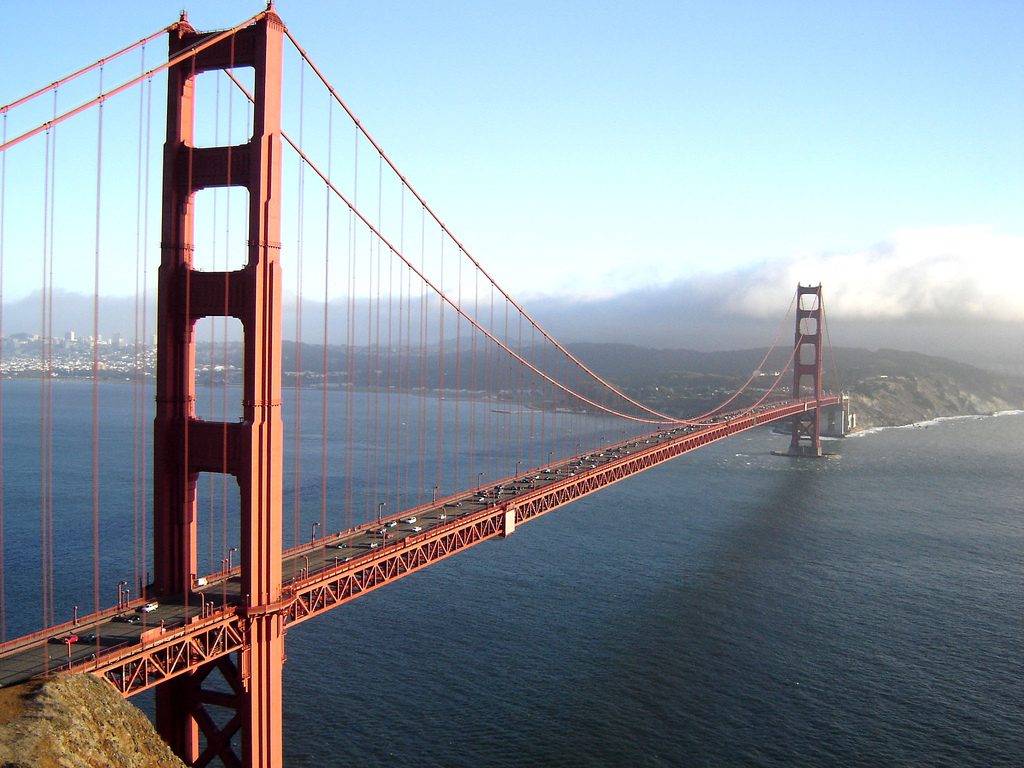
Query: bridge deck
point(135, 650)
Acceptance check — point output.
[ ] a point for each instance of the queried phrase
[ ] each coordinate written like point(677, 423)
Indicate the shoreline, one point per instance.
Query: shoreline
point(935, 421)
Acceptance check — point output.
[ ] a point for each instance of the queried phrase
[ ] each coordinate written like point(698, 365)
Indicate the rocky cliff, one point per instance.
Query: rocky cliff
point(76, 721)
point(889, 388)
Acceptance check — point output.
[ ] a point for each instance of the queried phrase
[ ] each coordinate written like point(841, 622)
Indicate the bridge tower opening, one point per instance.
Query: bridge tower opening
point(250, 449)
point(806, 426)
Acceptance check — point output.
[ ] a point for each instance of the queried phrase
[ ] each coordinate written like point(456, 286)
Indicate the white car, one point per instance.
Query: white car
point(409, 520)
point(149, 607)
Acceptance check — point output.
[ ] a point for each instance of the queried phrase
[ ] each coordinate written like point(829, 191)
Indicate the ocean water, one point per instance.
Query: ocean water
point(728, 608)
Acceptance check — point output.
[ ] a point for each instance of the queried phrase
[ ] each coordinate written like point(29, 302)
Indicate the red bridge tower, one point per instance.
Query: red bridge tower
point(249, 450)
point(806, 429)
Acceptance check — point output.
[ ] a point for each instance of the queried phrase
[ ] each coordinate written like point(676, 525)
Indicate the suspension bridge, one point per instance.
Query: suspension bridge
point(340, 393)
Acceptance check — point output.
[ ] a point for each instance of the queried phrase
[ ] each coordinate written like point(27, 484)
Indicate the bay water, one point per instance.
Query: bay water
point(729, 608)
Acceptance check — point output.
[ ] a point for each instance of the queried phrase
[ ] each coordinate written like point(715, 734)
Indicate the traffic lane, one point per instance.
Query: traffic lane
point(350, 546)
point(54, 652)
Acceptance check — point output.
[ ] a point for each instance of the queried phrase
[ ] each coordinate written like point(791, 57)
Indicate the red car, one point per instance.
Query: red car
point(69, 639)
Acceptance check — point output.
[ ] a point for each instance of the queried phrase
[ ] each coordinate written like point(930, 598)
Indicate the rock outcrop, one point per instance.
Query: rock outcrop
point(76, 721)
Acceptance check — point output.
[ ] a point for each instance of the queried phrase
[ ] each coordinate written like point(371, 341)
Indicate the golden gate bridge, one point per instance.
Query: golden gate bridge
point(426, 410)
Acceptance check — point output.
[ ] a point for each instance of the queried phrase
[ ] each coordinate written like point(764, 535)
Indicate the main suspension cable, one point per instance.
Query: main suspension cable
point(458, 244)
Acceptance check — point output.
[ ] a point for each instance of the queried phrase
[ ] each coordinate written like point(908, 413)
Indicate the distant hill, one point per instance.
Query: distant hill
point(887, 386)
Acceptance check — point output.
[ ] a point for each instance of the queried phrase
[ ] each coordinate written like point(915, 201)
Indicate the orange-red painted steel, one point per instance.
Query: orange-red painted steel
point(805, 434)
point(250, 450)
point(165, 655)
point(242, 641)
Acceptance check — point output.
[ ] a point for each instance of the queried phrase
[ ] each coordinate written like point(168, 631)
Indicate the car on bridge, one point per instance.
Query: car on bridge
point(69, 639)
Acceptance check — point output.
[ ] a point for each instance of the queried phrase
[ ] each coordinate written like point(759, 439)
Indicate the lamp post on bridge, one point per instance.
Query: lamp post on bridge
point(230, 553)
point(433, 495)
point(380, 510)
point(312, 533)
point(224, 584)
point(122, 594)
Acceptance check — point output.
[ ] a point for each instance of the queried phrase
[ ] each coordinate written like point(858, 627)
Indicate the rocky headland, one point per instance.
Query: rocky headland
point(76, 721)
point(887, 387)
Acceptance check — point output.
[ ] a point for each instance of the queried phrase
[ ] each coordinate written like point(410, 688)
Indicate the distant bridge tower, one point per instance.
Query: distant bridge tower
point(806, 429)
point(249, 450)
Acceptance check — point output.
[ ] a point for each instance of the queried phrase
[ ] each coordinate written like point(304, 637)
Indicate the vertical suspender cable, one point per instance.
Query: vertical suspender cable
point(350, 352)
point(402, 478)
point(3, 218)
point(407, 397)
point(145, 282)
point(458, 372)
point(44, 582)
point(327, 262)
point(545, 451)
point(224, 486)
point(494, 422)
point(96, 363)
point(440, 377)
point(136, 361)
point(211, 406)
point(831, 353)
point(534, 462)
point(45, 456)
point(421, 448)
point(297, 378)
point(373, 377)
point(49, 368)
point(388, 455)
point(350, 379)
point(188, 267)
point(472, 399)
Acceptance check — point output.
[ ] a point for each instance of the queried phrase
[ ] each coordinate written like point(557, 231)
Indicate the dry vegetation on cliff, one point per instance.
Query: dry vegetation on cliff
point(76, 721)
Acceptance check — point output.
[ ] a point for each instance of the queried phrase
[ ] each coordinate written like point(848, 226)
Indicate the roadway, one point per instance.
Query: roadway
point(122, 631)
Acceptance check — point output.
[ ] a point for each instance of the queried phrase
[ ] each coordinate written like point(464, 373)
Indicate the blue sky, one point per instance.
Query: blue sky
point(585, 150)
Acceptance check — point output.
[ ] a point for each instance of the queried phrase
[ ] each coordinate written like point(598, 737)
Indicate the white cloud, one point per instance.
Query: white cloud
point(949, 273)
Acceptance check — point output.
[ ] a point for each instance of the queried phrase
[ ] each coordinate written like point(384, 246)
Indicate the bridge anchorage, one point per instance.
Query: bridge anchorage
point(212, 646)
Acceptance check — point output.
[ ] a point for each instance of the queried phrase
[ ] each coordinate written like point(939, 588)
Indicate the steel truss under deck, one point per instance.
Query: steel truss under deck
point(163, 654)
